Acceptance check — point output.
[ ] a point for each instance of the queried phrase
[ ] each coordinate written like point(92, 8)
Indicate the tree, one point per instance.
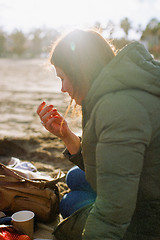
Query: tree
point(152, 31)
point(153, 25)
point(98, 27)
point(111, 28)
point(125, 24)
point(40, 40)
point(17, 43)
point(139, 29)
point(151, 35)
point(2, 44)
point(36, 38)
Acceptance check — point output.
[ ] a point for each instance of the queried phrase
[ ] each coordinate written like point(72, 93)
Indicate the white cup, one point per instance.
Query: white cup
point(24, 222)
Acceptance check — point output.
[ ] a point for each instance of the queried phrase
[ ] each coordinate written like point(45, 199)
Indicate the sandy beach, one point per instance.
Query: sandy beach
point(24, 84)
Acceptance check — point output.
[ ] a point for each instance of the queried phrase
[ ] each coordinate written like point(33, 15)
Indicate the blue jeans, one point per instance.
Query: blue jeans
point(81, 192)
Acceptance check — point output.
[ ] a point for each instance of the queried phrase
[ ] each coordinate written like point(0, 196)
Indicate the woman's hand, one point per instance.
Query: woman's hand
point(57, 125)
point(52, 120)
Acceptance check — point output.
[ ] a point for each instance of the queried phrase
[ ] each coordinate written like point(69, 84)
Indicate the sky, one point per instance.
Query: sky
point(30, 14)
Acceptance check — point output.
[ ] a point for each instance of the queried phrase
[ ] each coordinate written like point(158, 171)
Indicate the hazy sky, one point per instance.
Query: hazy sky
point(28, 14)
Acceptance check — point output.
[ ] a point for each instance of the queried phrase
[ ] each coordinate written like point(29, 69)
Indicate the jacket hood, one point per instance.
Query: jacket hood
point(132, 68)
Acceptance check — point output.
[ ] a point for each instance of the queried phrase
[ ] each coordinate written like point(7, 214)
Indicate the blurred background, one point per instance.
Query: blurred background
point(27, 30)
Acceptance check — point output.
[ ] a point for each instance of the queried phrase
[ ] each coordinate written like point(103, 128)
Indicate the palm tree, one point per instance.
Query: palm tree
point(111, 28)
point(125, 24)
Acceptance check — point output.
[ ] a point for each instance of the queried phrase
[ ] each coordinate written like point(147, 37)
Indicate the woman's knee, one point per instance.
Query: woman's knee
point(75, 177)
point(76, 180)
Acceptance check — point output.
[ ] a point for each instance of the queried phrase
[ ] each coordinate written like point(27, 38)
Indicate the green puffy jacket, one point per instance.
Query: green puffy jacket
point(121, 152)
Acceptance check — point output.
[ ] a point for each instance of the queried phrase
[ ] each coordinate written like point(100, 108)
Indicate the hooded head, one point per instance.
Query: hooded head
point(81, 55)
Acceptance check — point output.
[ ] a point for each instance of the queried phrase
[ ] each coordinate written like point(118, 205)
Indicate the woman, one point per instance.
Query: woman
point(120, 146)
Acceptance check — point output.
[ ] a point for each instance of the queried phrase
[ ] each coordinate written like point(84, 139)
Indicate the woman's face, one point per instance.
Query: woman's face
point(67, 86)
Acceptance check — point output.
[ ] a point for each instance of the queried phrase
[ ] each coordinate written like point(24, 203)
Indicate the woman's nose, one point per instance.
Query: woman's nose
point(63, 88)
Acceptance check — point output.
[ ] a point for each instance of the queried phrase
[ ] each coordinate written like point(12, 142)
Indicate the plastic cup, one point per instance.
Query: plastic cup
point(24, 222)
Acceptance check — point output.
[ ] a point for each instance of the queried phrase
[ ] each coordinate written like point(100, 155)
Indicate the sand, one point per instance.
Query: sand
point(24, 84)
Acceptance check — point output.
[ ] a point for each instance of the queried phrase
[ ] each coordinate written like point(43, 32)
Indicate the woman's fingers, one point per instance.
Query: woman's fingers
point(53, 124)
point(57, 119)
point(45, 110)
point(41, 106)
point(49, 115)
point(51, 119)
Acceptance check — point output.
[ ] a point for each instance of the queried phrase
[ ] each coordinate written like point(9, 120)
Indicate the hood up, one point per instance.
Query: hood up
point(132, 68)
